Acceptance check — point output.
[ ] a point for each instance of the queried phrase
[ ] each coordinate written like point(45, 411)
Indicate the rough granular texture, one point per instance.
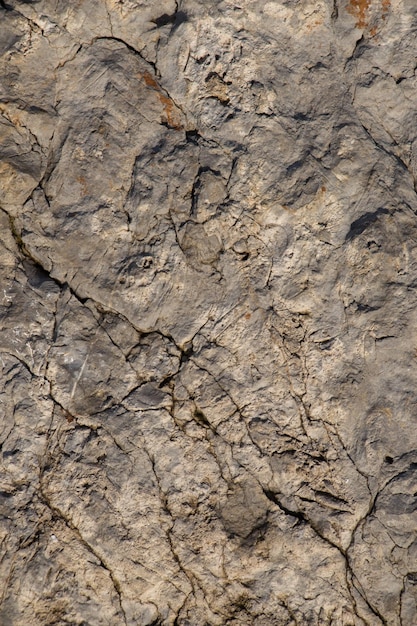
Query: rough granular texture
point(208, 304)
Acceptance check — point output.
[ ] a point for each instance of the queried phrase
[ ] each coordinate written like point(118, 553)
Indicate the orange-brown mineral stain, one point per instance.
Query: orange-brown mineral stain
point(359, 10)
point(313, 25)
point(170, 114)
point(386, 4)
point(83, 183)
point(68, 416)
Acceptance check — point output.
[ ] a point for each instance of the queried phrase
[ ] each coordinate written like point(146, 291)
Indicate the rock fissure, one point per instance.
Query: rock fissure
point(67, 521)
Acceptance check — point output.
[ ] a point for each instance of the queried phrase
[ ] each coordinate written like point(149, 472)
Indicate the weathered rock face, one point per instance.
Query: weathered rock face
point(208, 336)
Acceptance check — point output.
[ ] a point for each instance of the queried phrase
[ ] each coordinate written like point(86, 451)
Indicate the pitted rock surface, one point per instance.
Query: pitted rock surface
point(208, 304)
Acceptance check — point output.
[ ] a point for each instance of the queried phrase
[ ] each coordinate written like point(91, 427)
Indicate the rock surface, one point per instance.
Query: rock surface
point(208, 339)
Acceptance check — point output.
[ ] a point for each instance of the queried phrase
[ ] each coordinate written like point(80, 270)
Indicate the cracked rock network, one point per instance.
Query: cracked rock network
point(208, 246)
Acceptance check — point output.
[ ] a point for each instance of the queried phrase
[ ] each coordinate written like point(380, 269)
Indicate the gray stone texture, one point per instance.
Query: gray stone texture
point(208, 344)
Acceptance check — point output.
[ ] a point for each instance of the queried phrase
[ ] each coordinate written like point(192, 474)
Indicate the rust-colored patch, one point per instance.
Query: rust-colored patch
point(386, 5)
point(150, 81)
point(247, 316)
point(171, 115)
point(82, 181)
point(314, 25)
point(359, 10)
point(68, 416)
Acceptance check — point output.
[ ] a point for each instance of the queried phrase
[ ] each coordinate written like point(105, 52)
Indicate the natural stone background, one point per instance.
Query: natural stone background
point(208, 312)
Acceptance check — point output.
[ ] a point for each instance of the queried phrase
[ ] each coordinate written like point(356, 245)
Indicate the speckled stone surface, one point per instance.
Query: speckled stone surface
point(208, 320)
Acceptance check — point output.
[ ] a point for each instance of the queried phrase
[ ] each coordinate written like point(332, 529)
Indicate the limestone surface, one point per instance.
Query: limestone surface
point(208, 313)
